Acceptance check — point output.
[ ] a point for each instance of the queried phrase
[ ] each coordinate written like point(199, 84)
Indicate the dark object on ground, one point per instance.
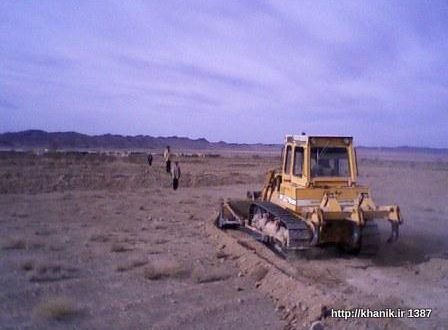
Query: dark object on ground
point(167, 158)
point(175, 174)
point(175, 183)
point(168, 166)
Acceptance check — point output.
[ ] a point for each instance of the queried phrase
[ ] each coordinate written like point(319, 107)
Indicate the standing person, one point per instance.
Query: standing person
point(175, 174)
point(167, 157)
point(150, 159)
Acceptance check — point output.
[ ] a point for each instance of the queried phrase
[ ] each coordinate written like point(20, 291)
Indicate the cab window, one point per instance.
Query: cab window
point(298, 162)
point(329, 162)
point(287, 167)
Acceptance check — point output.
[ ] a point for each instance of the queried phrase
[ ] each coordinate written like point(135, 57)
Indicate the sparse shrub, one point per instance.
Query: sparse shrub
point(188, 201)
point(202, 275)
point(57, 308)
point(160, 241)
point(131, 265)
point(27, 265)
point(14, 244)
point(44, 232)
point(51, 272)
point(99, 238)
point(35, 245)
point(118, 248)
point(165, 269)
point(129, 240)
point(122, 268)
point(154, 252)
point(221, 255)
point(138, 263)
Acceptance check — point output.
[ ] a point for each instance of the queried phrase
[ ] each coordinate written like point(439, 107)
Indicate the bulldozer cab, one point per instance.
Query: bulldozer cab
point(318, 161)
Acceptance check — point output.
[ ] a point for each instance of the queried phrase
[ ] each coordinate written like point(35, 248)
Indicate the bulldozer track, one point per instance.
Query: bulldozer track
point(251, 242)
point(300, 236)
point(299, 233)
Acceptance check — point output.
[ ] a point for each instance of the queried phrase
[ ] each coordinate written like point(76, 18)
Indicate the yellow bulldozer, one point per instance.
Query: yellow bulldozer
point(313, 200)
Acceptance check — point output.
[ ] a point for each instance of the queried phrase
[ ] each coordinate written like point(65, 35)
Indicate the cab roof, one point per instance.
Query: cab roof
point(305, 138)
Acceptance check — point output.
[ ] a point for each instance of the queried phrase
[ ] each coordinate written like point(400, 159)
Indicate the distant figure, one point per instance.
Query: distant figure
point(150, 159)
point(167, 157)
point(175, 174)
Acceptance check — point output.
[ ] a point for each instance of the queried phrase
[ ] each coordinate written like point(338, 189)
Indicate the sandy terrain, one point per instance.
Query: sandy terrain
point(103, 242)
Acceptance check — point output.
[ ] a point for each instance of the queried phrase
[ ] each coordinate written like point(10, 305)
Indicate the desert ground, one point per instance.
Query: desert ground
point(101, 241)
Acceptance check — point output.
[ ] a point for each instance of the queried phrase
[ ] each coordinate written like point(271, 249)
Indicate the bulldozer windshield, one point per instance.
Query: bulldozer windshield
point(329, 162)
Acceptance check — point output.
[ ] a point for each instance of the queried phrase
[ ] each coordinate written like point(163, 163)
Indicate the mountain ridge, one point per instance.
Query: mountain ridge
point(70, 139)
point(34, 138)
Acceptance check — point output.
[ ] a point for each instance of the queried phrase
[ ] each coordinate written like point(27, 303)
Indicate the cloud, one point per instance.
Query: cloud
point(247, 71)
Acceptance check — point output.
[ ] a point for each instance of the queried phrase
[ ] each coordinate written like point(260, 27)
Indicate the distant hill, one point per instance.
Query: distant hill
point(71, 140)
point(31, 139)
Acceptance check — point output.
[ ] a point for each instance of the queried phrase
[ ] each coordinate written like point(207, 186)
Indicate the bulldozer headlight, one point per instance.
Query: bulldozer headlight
point(347, 141)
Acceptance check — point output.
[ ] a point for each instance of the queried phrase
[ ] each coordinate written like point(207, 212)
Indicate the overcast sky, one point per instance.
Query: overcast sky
point(238, 71)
